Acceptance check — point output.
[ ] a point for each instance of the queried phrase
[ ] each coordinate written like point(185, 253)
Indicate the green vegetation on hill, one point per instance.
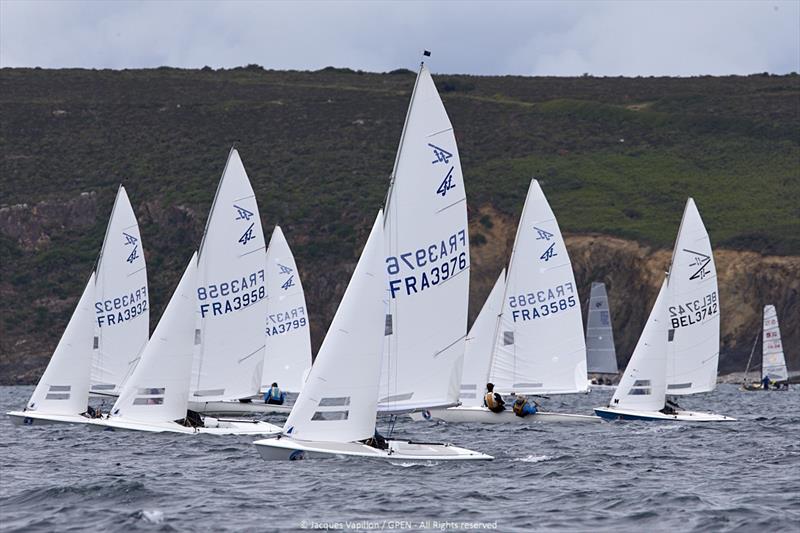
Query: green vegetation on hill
point(614, 155)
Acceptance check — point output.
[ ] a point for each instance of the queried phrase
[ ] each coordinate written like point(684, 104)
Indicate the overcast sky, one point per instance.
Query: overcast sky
point(530, 38)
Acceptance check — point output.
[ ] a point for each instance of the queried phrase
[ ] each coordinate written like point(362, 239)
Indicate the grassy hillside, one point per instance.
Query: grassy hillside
point(615, 155)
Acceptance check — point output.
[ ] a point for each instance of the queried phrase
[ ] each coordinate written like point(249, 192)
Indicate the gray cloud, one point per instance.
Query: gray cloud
point(529, 38)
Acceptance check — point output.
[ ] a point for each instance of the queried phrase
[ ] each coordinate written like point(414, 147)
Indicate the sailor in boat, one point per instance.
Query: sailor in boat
point(274, 396)
point(522, 407)
point(765, 383)
point(670, 407)
point(492, 400)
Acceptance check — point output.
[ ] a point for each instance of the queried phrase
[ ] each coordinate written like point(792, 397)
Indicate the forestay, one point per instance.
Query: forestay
point(338, 401)
point(64, 387)
point(231, 293)
point(122, 307)
point(539, 346)
point(693, 309)
point(643, 385)
point(479, 346)
point(288, 350)
point(427, 261)
point(158, 389)
point(773, 361)
point(601, 354)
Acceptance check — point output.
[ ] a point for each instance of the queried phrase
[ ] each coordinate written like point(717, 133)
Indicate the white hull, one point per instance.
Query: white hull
point(237, 408)
point(288, 449)
point(29, 418)
point(483, 415)
point(602, 387)
point(221, 427)
point(609, 413)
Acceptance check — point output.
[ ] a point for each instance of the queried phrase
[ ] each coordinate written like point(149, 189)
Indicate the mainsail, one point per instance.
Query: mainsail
point(122, 310)
point(338, 401)
point(427, 261)
point(643, 385)
point(693, 309)
point(288, 351)
point(601, 355)
point(773, 363)
point(231, 293)
point(480, 344)
point(64, 387)
point(539, 347)
point(158, 389)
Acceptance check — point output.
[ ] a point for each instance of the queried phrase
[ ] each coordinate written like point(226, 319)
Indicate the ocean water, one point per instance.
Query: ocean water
point(620, 476)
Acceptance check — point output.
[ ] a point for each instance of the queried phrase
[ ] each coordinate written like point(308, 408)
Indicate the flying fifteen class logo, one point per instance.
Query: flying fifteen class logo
point(441, 155)
point(699, 261)
point(242, 213)
point(133, 241)
point(543, 235)
point(549, 253)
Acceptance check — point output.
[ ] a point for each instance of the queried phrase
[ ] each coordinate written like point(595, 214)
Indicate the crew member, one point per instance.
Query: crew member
point(274, 396)
point(523, 408)
point(492, 400)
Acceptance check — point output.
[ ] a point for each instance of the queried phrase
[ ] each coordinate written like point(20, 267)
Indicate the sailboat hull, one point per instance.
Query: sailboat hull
point(221, 427)
point(28, 418)
point(482, 415)
point(288, 449)
point(236, 408)
point(608, 413)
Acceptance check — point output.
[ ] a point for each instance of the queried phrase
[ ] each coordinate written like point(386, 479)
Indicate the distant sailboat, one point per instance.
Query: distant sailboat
point(155, 398)
point(528, 338)
point(122, 307)
point(231, 296)
point(336, 410)
point(100, 347)
point(678, 350)
point(773, 362)
point(601, 353)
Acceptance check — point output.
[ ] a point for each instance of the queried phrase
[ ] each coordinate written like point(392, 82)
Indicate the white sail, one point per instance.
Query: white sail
point(288, 352)
point(427, 261)
point(338, 401)
point(540, 348)
point(773, 362)
point(64, 387)
point(479, 346)
point(643, 385)
point(231, 293)
point(693, 309)
point(601, 355)
point(158, 389)
point(122, 307)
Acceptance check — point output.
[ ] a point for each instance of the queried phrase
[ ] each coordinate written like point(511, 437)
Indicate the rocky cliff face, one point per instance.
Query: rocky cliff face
point(632, 271)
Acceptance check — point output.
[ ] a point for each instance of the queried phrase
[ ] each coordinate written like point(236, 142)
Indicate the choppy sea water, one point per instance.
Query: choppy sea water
point(620, 476)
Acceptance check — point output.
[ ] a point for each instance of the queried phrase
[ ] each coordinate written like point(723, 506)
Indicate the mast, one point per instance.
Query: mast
point(392, 177)
point(749, 359)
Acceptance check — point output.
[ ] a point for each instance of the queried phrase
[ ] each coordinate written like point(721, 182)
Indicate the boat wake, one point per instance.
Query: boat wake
point(534, 458)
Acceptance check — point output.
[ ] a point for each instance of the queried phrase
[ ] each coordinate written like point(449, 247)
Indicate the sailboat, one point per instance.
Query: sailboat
point(108, 329)
point(678, 351)
point(231, 296)
point(121, 301)
point(535, 344)
point(335, 412)
point(601, 354)
point(427, 261)
point(155, 398)
point(773, 362)
point(62, 394)
point(287, 355)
